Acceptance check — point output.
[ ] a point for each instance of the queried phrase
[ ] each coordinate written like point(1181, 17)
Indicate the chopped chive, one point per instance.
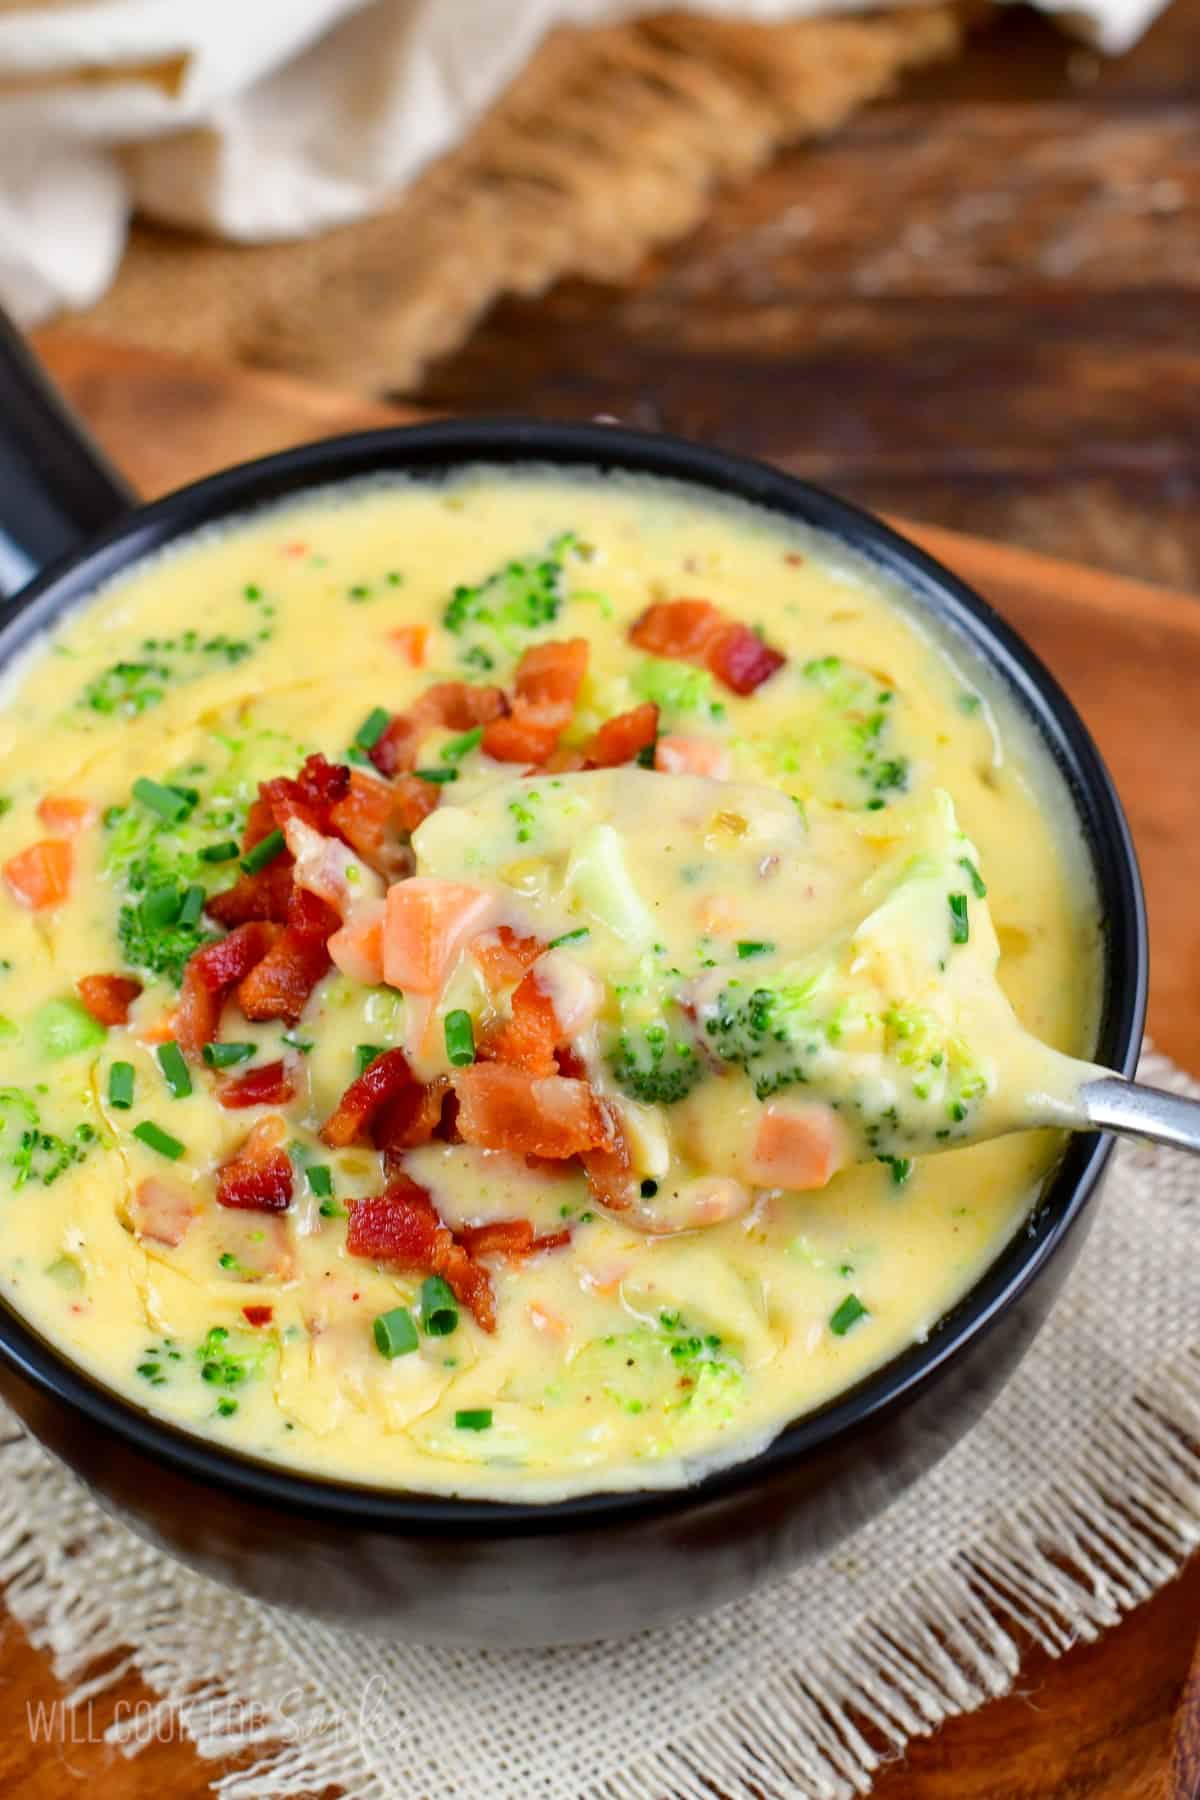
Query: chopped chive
point(366, 1054)
point(456, 748)
point(438, 775)
point(303, 1045)
point(160, 906)
point(847, 1314)
point(460, 1038)
point(748, 947)
point(900, 1167)
point(227, 1056)
point(320, 1181)
point(372, 728)
point(439, 1308)
point(645, 756)
point(155, 1138)
point(329, 1209)
point(224, 852)
point(569, 937)
point(974, 877)
point(264, 852)
point(395, 1333)
point(193, 905)
point(960, 924)
point(120, 1085)
point(477, 1418)
point(170, 803)
point(175, 1070)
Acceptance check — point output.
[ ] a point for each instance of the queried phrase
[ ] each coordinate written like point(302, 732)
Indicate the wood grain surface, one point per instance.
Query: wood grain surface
point(1093, 1726)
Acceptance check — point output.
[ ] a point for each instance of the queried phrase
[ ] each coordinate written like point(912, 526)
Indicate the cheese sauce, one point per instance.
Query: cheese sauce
point(656, 1342)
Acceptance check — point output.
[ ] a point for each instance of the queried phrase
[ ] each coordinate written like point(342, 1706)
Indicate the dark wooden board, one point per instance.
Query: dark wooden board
point(1095, 1725)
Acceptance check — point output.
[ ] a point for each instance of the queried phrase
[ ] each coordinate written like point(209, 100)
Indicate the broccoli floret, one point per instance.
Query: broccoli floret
point(158, 949)
point(664, 1369)
point(679, 690)
point(652, 1054)
point(509, 605)
point(133, 687)
point(29, 1153)
point(771, 1033)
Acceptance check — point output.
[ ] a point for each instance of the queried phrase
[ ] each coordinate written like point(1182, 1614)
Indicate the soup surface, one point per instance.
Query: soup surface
point(452, 935)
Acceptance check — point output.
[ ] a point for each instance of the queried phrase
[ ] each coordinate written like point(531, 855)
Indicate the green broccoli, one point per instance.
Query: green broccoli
point(771, 1033)
point(652, 1053)
point(509, 605)
point(663, 1368)
point(677, 689)
point(27, 1152)
point(132, 687)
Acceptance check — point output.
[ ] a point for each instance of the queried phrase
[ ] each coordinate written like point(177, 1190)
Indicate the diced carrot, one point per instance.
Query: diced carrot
point(411, 641)
point(619, 740)
point(797, 1146)
point(504, 957)
point(543, 1318)
point(161, 1211)
point(681, 629)
point(428, 922)
point(691, 756)
point(357, 949)
point(506, 1109)
point(164, 1027)
point(108, 997)
point(546, 683)
point(67, 816)
point(519, 739)
point(40, 876)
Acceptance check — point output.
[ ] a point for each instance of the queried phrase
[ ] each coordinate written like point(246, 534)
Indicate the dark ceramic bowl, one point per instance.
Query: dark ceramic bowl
point(608, 1564)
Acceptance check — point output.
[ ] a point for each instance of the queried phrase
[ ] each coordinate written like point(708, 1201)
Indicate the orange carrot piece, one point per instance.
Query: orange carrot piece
point(40, 877)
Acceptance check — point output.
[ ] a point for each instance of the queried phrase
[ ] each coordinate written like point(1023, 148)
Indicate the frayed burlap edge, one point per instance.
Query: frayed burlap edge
point(612, 141)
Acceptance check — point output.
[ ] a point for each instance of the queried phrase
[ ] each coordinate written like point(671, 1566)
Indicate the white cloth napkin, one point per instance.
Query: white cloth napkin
point(268, 119)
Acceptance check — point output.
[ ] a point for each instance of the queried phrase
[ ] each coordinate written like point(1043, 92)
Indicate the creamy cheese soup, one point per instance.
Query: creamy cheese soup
point(496, 989)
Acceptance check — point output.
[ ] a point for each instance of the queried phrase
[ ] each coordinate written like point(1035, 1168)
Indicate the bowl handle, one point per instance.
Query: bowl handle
point(56, 489)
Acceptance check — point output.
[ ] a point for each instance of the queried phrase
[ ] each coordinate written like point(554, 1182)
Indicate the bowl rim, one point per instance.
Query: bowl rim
point(445, 448)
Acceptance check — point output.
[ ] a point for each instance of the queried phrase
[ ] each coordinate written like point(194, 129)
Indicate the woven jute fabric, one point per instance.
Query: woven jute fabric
point(1076, 1496)
point(610, 142)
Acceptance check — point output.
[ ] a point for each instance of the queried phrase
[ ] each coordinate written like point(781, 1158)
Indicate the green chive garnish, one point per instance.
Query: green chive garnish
point(170, 803)
point(848, 1313)
point(320, 1181)
point(438, 775)
point(460, 1039)
point(155, 1138)
point(193, 905)
point(477, 1418)
point(219, 852)
point(372, 728)
point(974, 877)
point(569, 937)
point(265, 851)
point(960, 924)
point(227, 1056)
point(395, 1333)
point(175, 1070)
point(160, 906)
point(439, 1308)
point(900, 1167)
point(749, 947)
point(456, 748)
point(120, 1085)
point(366, 1054)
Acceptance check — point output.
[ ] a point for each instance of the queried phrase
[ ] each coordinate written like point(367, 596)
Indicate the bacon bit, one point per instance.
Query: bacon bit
point(384, 1080)
point(258, 1315)
point(108, 997)
point(68, 817)
point(453, 705)
point(415, 800)
point(263, 895)
point(411, 1117)
point(698, 632)
point(270, 1085)
point(547, 681)
point(401, 1226)
point(211, 973)
point(506, 1109)
point(40, 876)
point(161, 1212)
point(395, 749)
point(619, 740)
point(609, 1170)
point(259, 1179)
point(503, 957)
point(510, 1237)
point(280, 985)
point(411, 641)
point(527, 1040)
point(310, 796)
point(375, 815)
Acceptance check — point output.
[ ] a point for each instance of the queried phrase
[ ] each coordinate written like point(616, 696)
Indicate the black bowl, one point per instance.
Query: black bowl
point(492, 1573)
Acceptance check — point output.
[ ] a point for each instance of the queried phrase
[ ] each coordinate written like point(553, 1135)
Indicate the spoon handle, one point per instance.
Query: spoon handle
point(1112, 1104)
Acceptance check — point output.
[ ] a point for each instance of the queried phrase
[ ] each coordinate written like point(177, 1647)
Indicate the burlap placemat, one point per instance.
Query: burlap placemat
point(612, 141)
point(1077, 1496)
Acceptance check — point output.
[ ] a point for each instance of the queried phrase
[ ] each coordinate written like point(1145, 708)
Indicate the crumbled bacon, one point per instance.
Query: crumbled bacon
point(401, 1226)
point(211, 973)
point(504, 957)
point(259, 1178)
point(546, 683)
point(609, 1171)
point(388, 1077)
point(698, 632)
point(279, 985)
point(410, 1117)
point(395, 750)
point(374, 817)
point(270, 1085)
point(108, 997)
point(258, 1315)
point(414, 800)
point(502, 1108)
point(527, 1039)
point(620, 740)
point(453, 705)
point(510, 1237)
point(311, 795)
